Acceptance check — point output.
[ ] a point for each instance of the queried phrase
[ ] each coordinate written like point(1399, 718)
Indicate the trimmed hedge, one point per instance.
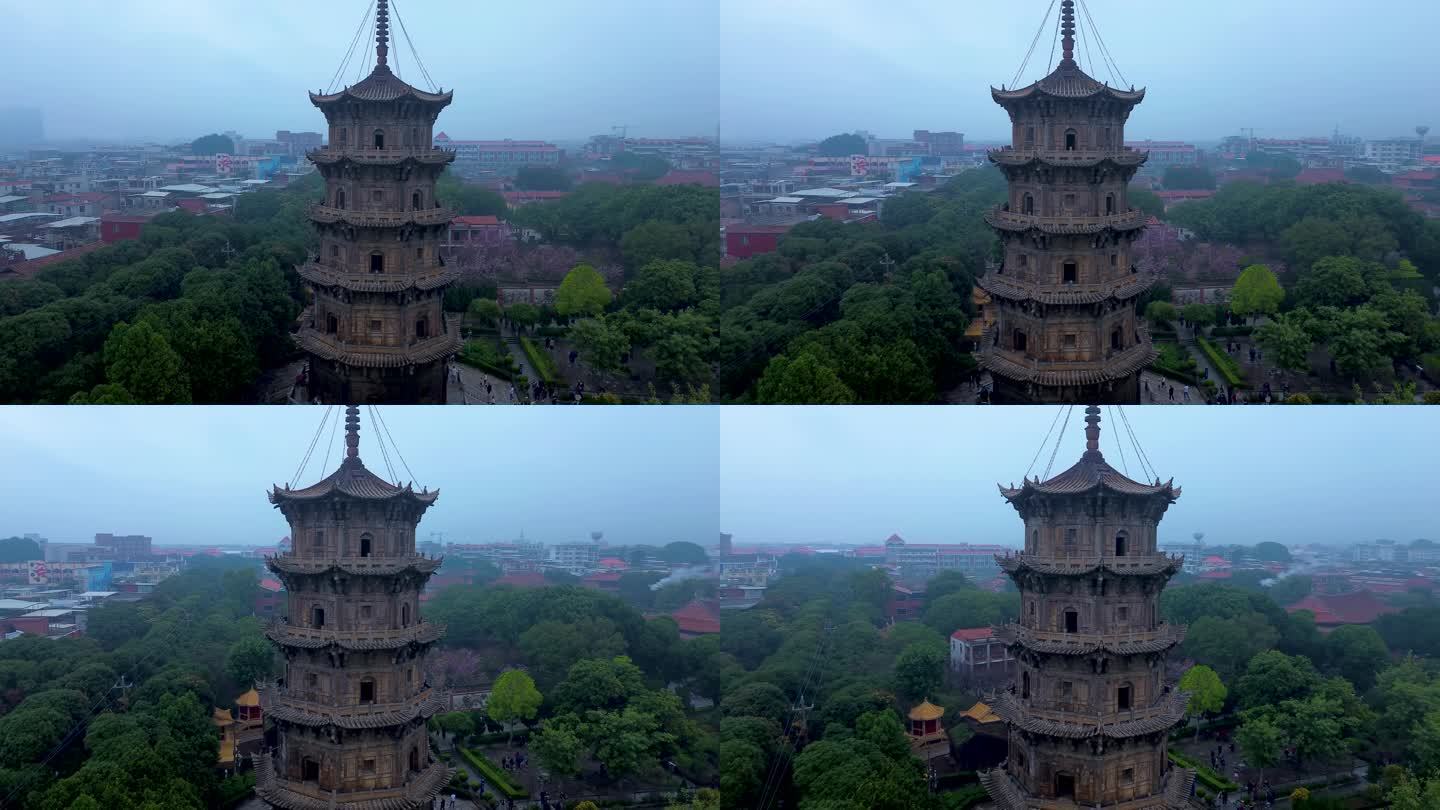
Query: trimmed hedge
point(543, 363)
point(494, 775)
point(1204, 775)
point(1232, 331)
point(1223, 363)
point(483, 356)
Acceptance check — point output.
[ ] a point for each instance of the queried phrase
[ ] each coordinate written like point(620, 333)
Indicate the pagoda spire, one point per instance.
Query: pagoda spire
point(1092, 429)
point(382, 31)
point(1067, 28)
point(352, 428)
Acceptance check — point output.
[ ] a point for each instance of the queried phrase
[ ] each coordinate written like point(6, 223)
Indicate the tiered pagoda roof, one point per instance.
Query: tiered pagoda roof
point(1163, 638)
point(309, 713)
point(307, 639)
point(319, 274)
point(1120, 289)
point(382, 85)
point(441, 346)
point(1090, 474)
point(1167, 713)
point(1146, 566)
point(352, 480)
point(418, 793)
point(1015, 366)
point(1067, 81)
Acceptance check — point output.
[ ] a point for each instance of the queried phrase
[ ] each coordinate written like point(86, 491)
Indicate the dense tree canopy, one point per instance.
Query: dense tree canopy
point(212, 144)
point(843, 145)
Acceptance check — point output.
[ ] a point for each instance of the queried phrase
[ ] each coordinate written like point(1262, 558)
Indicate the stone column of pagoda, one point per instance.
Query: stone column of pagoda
point(1067, 327)
point(347, 719)
point(1090, 710)
point(376, 330)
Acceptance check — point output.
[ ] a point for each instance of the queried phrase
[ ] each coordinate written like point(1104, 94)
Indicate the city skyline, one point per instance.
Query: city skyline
point(939, 78)
point(640, 475)
point(250, 72)
point(854, 476)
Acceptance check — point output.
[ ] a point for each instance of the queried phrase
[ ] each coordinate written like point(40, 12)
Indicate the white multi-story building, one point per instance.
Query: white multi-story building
point(975, 652)
point(577, 558)
point(1394, 150)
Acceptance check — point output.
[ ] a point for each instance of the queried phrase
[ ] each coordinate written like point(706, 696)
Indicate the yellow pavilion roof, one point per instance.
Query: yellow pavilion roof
point(251, 698)
point(926, 711)
point(221, 717)
point(981, 713)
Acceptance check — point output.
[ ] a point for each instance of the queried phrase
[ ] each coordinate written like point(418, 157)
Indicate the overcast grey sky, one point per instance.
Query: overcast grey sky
point(199, 474)
point(1249, 474)
point(812, 68)
point(177, 69)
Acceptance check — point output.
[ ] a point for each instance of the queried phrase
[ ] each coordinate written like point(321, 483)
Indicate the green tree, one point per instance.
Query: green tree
point(138, 358)
point(1143, 199)
point(250, 661)
point(523, 315)
point(658, 241)
point(468, 199)
point(1227, 644)
point(1256, 292)
point(802, 380)
point(513, 698)
point(1188, 177)
point(683, 552)
point(559, 744)
point(1287, 341)
point(1198, 314)
point(598, 683)
point(742, 772)
point(1270, 551)
point(1261, 742)
point(212, 144)
point(542, 178)
point(601, 342)
point(919, 670)
point(458, 725)
point(1207, 693)
point(485, 309)
point(971, 608)
point(1356, 652)
point(755, 700)
point(667, 286)
point(945, 583)
point(1414, 793)
point(582, 292)
point(843, 145)
point(1161, 312)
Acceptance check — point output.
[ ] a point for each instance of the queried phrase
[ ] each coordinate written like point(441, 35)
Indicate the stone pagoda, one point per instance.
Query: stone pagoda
point(348, 717)
point(1090, 711)
point(1066, 326)
point(376, 330)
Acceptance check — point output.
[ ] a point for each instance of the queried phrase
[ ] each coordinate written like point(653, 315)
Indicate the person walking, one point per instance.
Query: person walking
point(1187, 392)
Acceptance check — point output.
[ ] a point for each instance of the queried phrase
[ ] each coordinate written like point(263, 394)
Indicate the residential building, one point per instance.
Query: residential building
point(1164, 154)
point(941, 144)
point(922, 561)
point(125, 548)
point(504, 156)
point(977, 654)
point(578, 558)
point(1397, 151)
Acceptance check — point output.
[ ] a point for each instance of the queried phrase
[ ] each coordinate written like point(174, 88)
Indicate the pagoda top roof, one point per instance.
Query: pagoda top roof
point(382, 84)
point(352, 478)
point(1090, 473)
point(1067, 80)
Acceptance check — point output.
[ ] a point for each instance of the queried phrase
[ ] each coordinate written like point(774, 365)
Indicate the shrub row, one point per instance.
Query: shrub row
point(1223, 363)
point(543, 363)
point(1207, 777)
point(1232, 331)
point(484, 356)
point(494, 775)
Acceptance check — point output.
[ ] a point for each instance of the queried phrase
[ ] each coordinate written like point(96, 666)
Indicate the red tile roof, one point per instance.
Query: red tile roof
point(1311, 177)
point(604, 576)
point(613, 562)
point(30, 267)
point(477, 220)
point(523, 579)
point(700, 617)
point(677, 177)
point(973, 633)
point(1357, 607)
point(271, 584)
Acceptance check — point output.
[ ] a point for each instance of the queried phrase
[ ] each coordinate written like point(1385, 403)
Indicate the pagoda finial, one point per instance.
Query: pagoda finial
point(1067, 28)
point(352, 428)
point(382, 31)
point(1092, 429)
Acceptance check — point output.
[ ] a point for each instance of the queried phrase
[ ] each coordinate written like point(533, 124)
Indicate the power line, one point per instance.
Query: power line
point(331, 447)
point(1058, 439)
point(1015, 82)
point(386, 428)
point(359, 29)
point(319, 430)
point(418, 61)
point(1120, 444)
point(1044, 441)
point(380, 441)
point(1084, 9)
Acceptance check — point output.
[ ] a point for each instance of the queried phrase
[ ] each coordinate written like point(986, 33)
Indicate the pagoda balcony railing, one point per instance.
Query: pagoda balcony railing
point(328, 154)
point(1017, 633)
point(1087, 561)
point(428, 278)
point(1009, 795)
point(310, 335)
point(281, 628)
point(319, 702)
point(319, 212)
point(1015, 156)
point(291, 794)
point(1014, 362)
point(379, 562)
point(1170, 704)
point(1121, 287)
point(1060, 223)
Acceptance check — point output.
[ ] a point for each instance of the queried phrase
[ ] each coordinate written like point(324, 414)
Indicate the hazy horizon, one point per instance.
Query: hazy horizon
point(199, 475)
point(1295, 475)
point(813, 68)
point(172, 72)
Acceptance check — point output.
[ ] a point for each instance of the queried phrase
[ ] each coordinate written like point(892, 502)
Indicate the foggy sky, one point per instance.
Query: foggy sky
point(548, 69)
point(198, 475)
point(1249, 474)
point(814, 68)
